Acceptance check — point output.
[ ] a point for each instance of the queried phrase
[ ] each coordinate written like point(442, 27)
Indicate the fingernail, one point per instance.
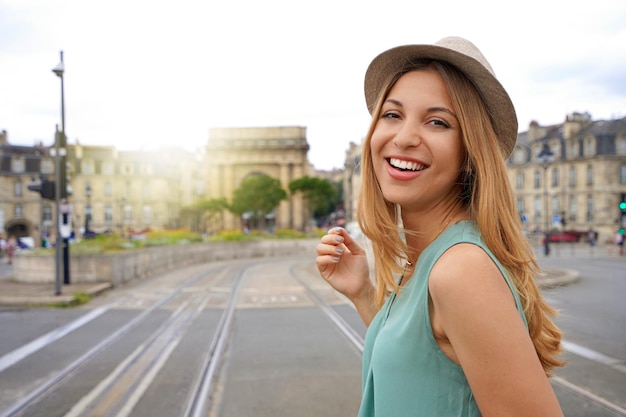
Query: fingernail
point(338, 230)
point(339, 239)
point(339, 250)
point(336, 258)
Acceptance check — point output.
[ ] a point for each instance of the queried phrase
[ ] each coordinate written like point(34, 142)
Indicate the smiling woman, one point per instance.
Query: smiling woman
point(457, 326)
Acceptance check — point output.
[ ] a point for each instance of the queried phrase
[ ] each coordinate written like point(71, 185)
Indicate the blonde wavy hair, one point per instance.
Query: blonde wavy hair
point(488, 195)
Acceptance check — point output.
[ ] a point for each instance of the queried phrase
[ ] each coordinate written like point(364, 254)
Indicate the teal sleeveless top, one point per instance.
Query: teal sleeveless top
point(405, 374)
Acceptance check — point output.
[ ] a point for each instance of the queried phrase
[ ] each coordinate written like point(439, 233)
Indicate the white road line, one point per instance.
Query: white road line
point(20, 353)
point(589, 395)
point(592, 355)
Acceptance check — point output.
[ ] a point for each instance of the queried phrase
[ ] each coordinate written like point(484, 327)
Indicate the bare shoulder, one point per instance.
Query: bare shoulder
point(466, 271)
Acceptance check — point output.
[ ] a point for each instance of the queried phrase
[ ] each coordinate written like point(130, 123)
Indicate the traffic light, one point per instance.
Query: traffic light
point(45, 188)
point(622, 203)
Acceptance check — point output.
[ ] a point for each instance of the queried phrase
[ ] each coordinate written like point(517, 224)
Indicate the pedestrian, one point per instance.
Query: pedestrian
point(456, 323)
point(11, 246)
point(591, 238)
point(619, 242)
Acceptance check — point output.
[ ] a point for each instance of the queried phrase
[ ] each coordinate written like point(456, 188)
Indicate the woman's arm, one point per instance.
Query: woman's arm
point(477, 324)
point(343, 264)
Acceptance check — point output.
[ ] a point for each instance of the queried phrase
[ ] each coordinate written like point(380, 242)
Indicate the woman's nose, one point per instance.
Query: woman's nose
point(408, 135)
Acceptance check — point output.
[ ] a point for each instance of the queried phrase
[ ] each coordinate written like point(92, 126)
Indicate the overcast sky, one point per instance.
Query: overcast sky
point(144, 73)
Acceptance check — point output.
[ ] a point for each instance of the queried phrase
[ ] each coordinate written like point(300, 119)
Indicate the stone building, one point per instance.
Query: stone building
point(233, 154)
point(131, 190)
point(110, 190)
point(23, 212)
point(579, 186)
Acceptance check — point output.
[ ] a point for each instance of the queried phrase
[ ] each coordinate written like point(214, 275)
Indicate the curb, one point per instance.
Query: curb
point(553, 277)
point(47, 300)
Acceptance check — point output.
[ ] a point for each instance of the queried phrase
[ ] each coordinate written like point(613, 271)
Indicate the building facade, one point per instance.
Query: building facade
point(22, 212)
point(233, 154)
point(578, 186)
point(126, 191)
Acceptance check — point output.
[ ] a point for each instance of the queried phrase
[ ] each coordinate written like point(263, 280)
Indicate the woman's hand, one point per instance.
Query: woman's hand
point(343, 263)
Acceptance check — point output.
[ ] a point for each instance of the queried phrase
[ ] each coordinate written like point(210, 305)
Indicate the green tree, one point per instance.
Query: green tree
point(320, 194)
point(198, 215)
point(258, 195)
point(212, 209)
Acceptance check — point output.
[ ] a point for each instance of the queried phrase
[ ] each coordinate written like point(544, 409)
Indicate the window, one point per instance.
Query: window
point(17, 164)
point(572, 150)
point(519, 181)
point(621, 145)
point(590, 146)
point(87, 167)
point(537, 180)
point(572, 176)
point(47, 166)
point(589, 174)
point(555, 205)
point(108, 189)
point(555, 177)
point(147, 215)
point(18, 211)
point(538, 201)
point(108, 215)
point(17, 187)
point(46, 215)
point(520, 205)
point(573, 212)
point(519, 157)
point(622, 174)
point(107, 168)
point(589, 208)
point(128, 214)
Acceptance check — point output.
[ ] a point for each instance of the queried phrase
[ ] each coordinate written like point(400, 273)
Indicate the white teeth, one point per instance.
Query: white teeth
point(407, 165)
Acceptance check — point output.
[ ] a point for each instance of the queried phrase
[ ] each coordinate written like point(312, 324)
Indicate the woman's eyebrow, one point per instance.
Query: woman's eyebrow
point(393, 101)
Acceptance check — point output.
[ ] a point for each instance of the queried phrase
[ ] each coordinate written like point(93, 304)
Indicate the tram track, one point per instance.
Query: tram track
point(118, 393)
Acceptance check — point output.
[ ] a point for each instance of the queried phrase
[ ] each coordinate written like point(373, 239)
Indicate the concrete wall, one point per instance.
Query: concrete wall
point(123, 267)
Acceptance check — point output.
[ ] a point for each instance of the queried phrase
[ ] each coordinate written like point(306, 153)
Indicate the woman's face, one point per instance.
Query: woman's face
point(416, 146)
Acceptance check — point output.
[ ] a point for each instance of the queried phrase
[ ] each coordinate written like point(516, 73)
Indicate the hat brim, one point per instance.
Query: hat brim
point(497, 100)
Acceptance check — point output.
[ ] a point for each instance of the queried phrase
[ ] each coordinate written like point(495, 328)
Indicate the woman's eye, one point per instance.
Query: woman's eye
point(390, 115)
point(439, 122)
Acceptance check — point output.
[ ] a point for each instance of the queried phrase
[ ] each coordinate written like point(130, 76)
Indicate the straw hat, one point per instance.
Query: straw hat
point(465, 56)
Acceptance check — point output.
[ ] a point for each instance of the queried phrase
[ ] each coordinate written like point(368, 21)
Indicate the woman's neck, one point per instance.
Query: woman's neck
point(423, 228)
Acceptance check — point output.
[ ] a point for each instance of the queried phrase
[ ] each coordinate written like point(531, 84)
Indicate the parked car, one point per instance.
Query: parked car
point(566, 236)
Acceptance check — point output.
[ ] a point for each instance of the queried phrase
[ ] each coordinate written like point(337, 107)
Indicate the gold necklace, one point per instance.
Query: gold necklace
point(407, 265)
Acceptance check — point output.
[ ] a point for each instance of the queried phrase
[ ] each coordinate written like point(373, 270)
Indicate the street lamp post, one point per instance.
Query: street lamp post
point(62, 258)
point(546, 156)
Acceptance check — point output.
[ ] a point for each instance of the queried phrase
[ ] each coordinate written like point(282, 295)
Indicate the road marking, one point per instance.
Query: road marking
point(589, 395)
point(592, 355)
point(18, 354)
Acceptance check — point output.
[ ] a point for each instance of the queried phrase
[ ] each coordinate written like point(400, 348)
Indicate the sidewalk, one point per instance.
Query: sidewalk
point(14, 293)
